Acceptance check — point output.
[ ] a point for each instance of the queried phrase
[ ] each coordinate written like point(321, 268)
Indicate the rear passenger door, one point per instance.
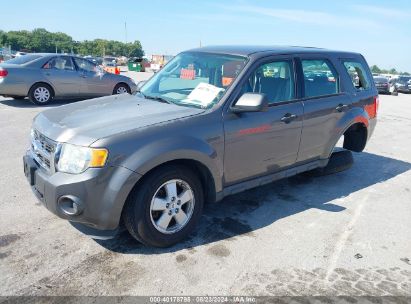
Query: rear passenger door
point(259, 143)
point(324, 105)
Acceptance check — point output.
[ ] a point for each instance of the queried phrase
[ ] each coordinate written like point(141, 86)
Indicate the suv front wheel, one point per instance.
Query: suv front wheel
point(165, 207)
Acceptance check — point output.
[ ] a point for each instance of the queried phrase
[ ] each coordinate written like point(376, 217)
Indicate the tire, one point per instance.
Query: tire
point(18, 97)
point(41, 94)
point(142, 216)
point(339, 161)
point(121, 88)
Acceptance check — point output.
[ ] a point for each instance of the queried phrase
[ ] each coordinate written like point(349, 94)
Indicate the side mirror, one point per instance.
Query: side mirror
point(140, 84)
point(251, 102)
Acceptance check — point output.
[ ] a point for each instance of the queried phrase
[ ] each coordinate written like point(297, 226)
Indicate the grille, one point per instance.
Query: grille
point(43, 149)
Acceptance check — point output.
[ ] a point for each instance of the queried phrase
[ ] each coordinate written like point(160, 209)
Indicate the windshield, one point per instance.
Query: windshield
point(404, 79)
point(194, 79)
point(23, 59)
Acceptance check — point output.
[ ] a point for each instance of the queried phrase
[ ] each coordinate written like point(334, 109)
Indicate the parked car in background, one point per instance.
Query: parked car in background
point(43, 77)
point(211, 123)
point(122, 60)
point(91, 58)
point(401, 84)
point(18, 54)
point(109, 61)
point(110, 65)
point(382, 84)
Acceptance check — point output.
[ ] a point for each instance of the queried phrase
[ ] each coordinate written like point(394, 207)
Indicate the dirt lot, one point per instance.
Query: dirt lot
point(345, 234)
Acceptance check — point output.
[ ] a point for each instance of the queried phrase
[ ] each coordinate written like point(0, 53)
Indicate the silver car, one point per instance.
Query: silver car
point(43, 77)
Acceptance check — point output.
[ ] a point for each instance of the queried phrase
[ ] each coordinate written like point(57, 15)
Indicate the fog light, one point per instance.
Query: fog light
point(70, 205)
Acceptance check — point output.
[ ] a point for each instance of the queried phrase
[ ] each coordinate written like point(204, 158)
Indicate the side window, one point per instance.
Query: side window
point(60, 63)
point(274, 79)
point(319, 78)
point(85, 65)
point(358, 75)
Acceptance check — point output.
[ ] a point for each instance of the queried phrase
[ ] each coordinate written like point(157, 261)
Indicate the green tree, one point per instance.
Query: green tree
point(375, 69)
point(393, 71)
point(41, 40)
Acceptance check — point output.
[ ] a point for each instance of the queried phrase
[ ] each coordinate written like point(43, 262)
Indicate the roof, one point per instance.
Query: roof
point(247, 50)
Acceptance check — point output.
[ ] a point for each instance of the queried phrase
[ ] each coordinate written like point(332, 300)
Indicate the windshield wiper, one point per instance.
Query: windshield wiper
point(158, 98)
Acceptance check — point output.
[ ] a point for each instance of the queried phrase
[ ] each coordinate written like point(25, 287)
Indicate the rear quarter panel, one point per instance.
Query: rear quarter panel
point(19, 80)
point(360, 101)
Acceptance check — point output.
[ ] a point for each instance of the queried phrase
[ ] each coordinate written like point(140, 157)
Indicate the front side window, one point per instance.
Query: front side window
point(358, 75)
point(85, 65)
point(320, 78)
point(60, 63)
point(195, 79)
point(274, 79)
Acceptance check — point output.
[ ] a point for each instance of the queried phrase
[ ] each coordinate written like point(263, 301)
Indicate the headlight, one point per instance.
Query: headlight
point(76, 159)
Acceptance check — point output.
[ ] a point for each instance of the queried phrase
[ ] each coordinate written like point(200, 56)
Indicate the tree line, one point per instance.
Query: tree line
point(42, 41)
point(377, 70)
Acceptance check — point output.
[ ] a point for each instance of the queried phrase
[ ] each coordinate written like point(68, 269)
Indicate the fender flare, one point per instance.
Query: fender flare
point(352, 117)
point(165, 150)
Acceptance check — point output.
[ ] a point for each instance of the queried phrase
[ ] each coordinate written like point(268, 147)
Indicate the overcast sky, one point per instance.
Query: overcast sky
point(380, 30)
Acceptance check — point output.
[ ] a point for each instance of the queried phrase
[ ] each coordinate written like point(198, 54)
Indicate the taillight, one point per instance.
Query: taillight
point(372, 109)
point(3, 73)
point(376, 105)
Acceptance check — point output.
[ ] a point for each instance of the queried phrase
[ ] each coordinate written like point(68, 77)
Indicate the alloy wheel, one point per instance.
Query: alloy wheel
point(172, 206)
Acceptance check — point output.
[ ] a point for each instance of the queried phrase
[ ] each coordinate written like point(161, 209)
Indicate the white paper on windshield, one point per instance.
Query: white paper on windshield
point(204, 94)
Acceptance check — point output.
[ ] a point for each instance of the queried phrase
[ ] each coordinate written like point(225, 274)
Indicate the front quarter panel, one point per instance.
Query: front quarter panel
point(199, 138)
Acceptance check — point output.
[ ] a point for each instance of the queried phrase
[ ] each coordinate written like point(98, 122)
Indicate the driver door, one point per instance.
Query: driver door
point(260, 143)
point(61, 73)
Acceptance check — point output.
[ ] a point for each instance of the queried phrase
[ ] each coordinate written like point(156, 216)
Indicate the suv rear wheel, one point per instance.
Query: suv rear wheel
point(339, 161)
point(164, 209)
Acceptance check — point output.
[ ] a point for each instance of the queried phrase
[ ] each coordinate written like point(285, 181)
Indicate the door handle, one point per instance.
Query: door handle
point(341, 107)
point(287, 118)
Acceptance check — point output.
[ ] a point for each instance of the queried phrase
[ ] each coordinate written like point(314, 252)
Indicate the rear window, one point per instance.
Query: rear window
point(358, 74)
point(23, 59)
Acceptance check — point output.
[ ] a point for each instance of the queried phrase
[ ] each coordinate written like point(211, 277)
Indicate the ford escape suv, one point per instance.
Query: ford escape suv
point(213, 122)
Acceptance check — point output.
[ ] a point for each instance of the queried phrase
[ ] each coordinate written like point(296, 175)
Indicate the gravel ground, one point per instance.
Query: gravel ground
point(344, 234)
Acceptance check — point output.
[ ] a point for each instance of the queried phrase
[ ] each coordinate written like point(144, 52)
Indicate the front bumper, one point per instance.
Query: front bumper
point(100, 193)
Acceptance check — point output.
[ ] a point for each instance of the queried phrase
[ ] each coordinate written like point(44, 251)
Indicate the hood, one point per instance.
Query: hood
point(82, 123)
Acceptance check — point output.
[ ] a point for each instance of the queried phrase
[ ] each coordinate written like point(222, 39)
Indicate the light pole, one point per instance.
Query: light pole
point(125, 31)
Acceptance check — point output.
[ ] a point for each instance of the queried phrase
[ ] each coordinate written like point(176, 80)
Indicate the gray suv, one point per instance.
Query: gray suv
point(213, 122)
